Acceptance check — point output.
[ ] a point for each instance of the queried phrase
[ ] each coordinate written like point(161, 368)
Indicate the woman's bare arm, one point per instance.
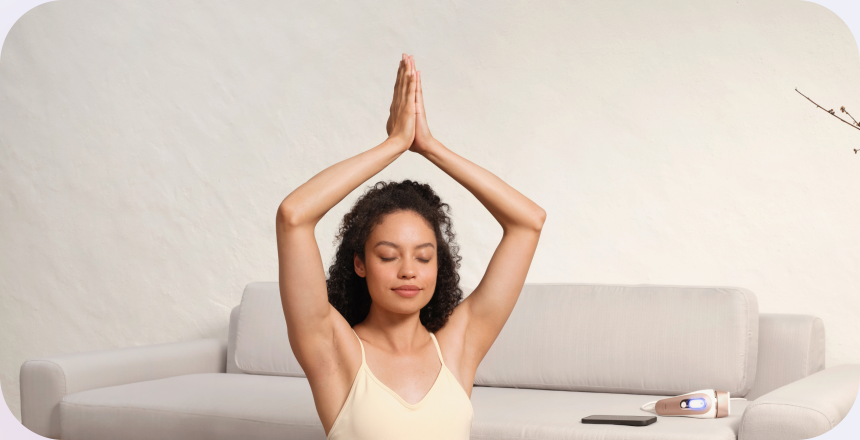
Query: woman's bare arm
point(481, 316)
point(488, 307)
point(309, 316)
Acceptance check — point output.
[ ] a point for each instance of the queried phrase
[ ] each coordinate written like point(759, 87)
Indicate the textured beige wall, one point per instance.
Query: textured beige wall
point(145, 146)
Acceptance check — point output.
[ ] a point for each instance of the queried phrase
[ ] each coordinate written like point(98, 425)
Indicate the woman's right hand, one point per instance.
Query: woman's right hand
point(401, 119)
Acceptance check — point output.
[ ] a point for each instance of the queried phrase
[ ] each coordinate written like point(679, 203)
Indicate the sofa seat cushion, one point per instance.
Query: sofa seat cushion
point(511, 413)
point(194, 407)
point(230, 406)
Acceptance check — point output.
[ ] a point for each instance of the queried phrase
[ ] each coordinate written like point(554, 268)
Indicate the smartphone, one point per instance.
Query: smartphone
point(621, 420)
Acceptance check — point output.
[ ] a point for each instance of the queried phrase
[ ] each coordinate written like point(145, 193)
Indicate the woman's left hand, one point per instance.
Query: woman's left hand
point(423, 138)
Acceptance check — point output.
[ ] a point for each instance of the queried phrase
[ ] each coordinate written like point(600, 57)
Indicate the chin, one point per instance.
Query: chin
point(404, 306)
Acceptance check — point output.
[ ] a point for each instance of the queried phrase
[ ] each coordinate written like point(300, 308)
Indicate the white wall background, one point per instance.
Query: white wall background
point(145, 146)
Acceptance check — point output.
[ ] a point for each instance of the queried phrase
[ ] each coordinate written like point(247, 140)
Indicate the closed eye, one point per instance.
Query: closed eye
point(423, 261)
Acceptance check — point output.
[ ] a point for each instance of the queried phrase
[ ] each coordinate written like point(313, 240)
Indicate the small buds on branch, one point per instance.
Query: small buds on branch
point(856, 125)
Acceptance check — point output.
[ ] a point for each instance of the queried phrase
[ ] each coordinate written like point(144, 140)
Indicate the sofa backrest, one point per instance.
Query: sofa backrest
point(790, 347)
point(644, 339)
point(262, 345)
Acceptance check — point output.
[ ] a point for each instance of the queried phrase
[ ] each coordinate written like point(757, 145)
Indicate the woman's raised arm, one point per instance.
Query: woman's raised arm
point(479, 319)
point(310, 317)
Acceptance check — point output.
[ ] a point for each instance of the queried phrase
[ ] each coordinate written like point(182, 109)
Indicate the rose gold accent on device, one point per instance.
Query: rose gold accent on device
point(722, 404)
point(672, 405)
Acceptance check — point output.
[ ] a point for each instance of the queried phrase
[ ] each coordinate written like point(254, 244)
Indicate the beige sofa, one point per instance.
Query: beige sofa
point(567, 351)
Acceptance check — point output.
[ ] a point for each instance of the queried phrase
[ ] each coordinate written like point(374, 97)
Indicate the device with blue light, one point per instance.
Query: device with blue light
point(704, 404)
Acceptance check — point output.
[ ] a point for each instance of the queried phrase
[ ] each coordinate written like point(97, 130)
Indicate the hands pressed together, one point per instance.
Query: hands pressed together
point(407, 122)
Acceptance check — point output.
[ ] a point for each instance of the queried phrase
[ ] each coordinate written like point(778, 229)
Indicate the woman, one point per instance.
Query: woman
point(388, 348)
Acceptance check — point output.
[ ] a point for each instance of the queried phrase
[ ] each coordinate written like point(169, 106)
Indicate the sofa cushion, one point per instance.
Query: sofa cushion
point(508, 413)
point(642, 339)
point(194, 407)
point(223, 406)
point(262, 345)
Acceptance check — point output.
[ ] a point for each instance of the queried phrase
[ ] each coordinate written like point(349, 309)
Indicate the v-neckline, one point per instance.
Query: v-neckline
point(397, 396)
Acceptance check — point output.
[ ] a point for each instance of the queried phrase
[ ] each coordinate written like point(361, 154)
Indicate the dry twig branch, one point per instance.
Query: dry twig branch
point(855, 124)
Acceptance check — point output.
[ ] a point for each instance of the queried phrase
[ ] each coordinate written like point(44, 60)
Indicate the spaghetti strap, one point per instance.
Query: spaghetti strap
point(438, 350)
point(362, 347)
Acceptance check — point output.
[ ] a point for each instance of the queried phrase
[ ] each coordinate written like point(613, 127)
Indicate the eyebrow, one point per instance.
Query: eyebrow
point(388, 243)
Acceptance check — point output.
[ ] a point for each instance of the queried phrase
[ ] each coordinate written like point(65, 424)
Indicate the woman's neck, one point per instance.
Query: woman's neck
point(401, 333)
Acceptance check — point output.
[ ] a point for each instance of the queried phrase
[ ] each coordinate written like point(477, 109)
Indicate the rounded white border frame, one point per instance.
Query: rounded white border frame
point(11, 10)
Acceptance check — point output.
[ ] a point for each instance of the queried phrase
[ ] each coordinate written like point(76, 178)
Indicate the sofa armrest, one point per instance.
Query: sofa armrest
point(46, 380)
point(803, 409)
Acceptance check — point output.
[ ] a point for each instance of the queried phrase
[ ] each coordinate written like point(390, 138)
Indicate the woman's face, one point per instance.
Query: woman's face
point(400, 263)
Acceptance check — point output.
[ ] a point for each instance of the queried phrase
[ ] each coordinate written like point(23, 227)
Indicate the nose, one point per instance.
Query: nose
point(407, 270)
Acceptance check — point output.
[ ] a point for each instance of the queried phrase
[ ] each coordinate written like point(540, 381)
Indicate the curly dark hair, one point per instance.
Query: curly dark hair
point(347, 291)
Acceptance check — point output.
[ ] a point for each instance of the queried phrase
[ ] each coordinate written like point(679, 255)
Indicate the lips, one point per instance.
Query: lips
point(408, 291)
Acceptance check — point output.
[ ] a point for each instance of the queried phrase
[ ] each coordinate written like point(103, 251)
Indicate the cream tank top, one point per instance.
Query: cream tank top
point(374, 411)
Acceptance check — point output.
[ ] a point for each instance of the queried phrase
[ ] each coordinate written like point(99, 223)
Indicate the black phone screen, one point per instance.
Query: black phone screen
point(621, 420)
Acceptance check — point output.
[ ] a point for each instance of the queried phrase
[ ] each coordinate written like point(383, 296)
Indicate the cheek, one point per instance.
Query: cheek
point(380, 270)
point(430, 270)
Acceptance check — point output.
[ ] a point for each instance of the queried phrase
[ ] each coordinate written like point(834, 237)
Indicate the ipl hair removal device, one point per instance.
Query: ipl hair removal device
point(704, 404)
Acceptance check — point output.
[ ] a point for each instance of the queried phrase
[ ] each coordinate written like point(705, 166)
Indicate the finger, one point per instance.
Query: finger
point(402, 71)
point(399, 72)
point(417, 79)
point(415, 74)
point(419, 95)
point(404, 89)
point(413, 85)
point(398, 84)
